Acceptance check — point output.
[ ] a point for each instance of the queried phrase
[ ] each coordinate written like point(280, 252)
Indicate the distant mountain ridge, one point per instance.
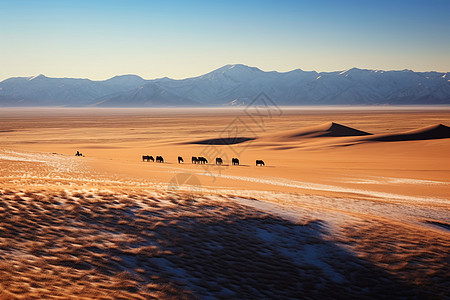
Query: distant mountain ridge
point(233, 85)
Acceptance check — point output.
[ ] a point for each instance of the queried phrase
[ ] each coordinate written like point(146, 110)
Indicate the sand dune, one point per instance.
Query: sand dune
point(329, 129)
point(332, 129)
point(332, 134)
point(438, 131)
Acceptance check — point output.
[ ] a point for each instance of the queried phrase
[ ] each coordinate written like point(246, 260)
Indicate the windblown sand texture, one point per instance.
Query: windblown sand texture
point(351, 204)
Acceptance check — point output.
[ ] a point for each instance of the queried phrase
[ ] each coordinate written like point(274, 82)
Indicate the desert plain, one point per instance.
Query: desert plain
point(352, 202)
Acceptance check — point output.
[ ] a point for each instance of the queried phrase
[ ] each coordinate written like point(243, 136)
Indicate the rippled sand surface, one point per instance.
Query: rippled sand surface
point(369, 220)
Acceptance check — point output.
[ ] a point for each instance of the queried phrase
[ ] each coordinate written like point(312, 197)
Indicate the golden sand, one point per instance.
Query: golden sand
point(333, 213)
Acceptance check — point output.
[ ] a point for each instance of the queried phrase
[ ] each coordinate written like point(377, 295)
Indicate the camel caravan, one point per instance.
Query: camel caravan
point(198, 160)
point(195, 160)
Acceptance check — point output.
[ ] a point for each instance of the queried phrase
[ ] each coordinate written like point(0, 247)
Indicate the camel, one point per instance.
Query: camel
point(180, 159)
point(259, 162)
point(78, 154)
point(202, 160)
point(235, 161)
point(194, 160)
point(147, 158)
point(219, 161)
point(159, 159)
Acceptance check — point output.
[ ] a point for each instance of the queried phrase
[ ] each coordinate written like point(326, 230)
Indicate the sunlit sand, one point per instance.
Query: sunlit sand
point(350, 203)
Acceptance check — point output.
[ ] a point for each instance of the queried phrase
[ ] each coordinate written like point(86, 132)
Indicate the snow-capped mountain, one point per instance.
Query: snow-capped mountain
point(233, 85)
point(44, 91)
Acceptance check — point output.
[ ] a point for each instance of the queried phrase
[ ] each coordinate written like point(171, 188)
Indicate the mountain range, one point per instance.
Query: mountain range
point(233, 85)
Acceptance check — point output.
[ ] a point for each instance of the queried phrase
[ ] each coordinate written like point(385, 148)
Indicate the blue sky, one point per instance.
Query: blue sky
point(178, 39)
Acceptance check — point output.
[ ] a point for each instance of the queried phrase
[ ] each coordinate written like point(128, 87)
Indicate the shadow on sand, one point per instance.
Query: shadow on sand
point(177, 246)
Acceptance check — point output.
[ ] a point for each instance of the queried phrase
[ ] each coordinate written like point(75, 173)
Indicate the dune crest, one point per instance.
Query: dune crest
point(329, 129)
point(438, 131)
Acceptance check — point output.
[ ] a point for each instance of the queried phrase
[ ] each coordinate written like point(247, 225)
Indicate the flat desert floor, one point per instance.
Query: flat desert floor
point(351, 203)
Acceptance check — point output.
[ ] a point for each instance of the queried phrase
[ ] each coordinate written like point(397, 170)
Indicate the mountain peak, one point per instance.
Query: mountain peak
point(233, 73)
point(128, 80)
point(38, 77)
point(353, 71)
point(237, 67)
point(241, 66)
point(127, 76)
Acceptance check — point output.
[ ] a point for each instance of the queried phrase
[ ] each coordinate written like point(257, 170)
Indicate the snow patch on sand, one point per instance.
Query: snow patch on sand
point(330, 188)
point(392, 180)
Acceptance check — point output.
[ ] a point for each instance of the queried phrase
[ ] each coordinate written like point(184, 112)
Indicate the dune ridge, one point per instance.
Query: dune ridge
point(437, 131)
point(332, 134)
point(332, 129)
point(329, 129)
point(336, 130)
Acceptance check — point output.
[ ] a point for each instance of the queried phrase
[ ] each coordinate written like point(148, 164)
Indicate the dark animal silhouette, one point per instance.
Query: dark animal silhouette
point(159, 159)
point(194, 160)
point(147, 158)
point(180, 159)
point(235, 161)
point(202, 160)
point(259, 162)
point(219, 161)
point(78, 154)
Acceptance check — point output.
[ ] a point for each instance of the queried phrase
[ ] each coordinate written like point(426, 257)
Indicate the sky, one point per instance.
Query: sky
point(179, 39)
